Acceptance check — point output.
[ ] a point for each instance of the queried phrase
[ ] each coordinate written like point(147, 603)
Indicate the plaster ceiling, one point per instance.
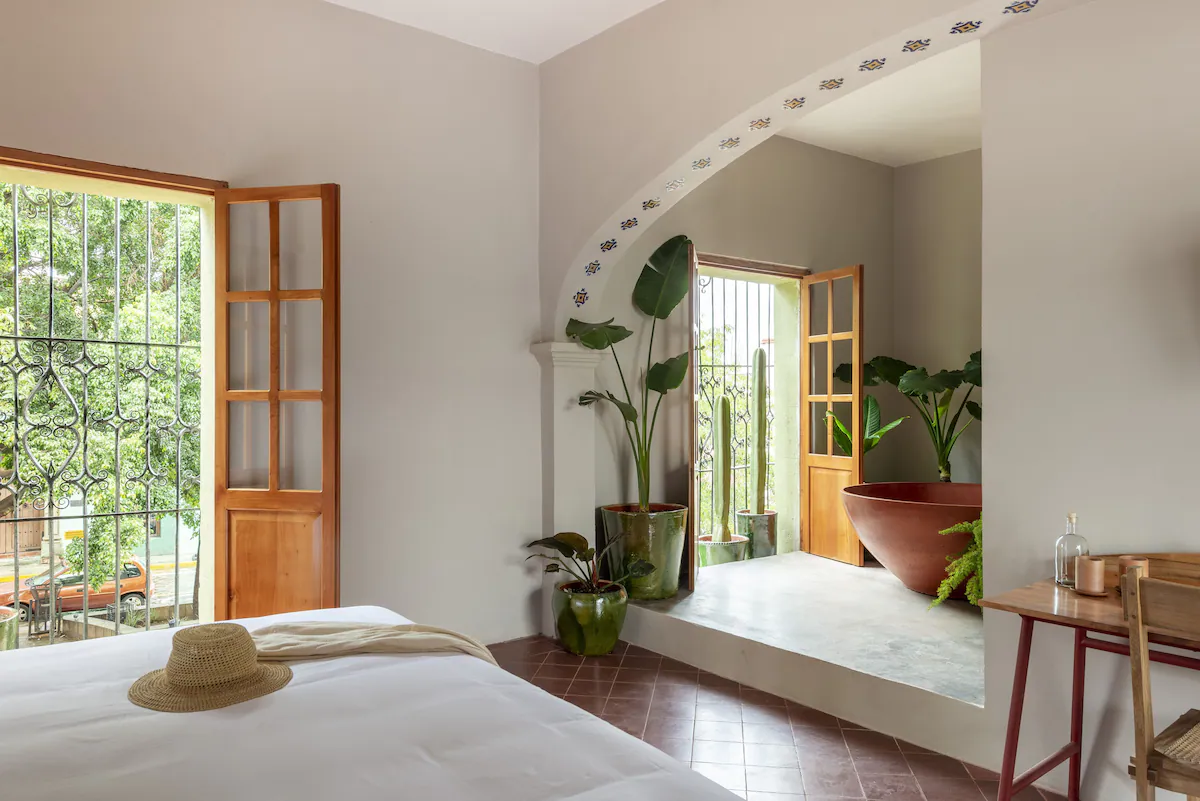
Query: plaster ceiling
point(531, 30)
point(928, 110)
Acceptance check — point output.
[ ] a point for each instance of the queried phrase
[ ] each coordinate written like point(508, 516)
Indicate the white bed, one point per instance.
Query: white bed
point(415, 727)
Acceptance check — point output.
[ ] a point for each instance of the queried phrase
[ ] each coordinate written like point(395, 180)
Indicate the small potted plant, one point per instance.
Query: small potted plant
point(645, 531)
point(722, 546)
point(588, 610)
point(758, 525)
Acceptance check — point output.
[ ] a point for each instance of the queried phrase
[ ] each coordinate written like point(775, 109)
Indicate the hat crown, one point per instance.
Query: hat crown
point(211, 656)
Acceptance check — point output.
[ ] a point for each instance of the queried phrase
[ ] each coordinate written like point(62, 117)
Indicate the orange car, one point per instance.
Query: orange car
point(135, 589)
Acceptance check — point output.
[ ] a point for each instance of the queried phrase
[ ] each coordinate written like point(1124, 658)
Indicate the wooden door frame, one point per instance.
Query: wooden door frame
point(738, 264)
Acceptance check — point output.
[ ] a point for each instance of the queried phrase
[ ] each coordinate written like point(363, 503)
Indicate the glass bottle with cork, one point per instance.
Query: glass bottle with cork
point(1069, 546)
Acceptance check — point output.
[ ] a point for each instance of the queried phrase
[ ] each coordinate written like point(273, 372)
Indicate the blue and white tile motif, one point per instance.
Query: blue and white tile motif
point(581, 297)
point(609, 246)
point(630, 223)
point(652, 203)
point(1020, 7)
point(731, 142)
point(791, 104)
point(967, 27)
point(916, 45)
point(760, 124)
point(592, 268)
point(872, 64)
point(675, 184)
point(831, 84)
point(702, 164)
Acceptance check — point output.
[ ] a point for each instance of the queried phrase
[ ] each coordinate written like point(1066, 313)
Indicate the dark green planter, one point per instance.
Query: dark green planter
point(589, 624)
point(722, 553)
point(657, 536)
point(760, 530)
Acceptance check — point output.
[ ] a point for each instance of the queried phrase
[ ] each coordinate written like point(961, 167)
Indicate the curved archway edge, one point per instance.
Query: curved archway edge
point(589, 271)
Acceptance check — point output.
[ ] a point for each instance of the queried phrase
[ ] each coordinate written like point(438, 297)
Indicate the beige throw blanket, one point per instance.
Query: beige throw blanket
point(292, 642)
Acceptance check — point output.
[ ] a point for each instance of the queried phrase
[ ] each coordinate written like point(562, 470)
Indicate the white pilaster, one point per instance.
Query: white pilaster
point(568, 447)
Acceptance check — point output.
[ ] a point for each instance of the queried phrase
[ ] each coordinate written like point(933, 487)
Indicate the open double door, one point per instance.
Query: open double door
point(829, 335)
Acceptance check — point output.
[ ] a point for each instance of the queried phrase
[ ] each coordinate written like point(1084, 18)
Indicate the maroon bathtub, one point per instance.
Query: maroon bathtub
point(899, 523)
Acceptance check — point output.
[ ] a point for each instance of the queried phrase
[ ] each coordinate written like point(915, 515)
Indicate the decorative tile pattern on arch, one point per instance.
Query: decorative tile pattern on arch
point(702, 164)
point(592, 268)
point(831, 84)
point(794, 103)
point(872, 64)
point(675, 184)
point(652, 203)
point(630, 223)
point(1020, 7)
point(967, 27)
point(916, 45)
point(581, 297)
point(761, 124)
point(608, 246)
point(731, 142)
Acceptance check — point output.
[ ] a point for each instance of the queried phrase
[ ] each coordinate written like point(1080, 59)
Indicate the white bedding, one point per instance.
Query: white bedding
point(412, 727)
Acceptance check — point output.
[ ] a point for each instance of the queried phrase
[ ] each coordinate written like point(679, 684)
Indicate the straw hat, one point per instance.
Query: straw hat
point(210, 667)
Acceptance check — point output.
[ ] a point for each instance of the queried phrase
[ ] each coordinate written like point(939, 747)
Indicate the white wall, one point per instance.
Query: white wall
point(939, 211)
point(435, 145)
point(785, 202)
point(1091, 302)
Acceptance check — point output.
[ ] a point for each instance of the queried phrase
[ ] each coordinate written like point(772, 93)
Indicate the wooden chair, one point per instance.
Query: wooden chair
point(1172, 759)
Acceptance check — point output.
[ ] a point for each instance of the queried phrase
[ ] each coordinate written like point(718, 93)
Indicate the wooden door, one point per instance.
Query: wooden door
point(831, 314)
point(277, 412)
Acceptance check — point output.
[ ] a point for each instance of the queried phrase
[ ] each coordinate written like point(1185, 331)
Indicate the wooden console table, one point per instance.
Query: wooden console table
point(1046, 602)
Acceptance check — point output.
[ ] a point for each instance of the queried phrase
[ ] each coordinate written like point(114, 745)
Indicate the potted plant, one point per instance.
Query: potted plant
point(588, 611)
point(759, 525)
point(722, 546)
point(645, 531)
point(900, 522)
point(873, 431)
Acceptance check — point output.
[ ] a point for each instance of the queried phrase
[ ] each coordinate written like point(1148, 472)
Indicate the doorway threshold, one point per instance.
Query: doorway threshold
point(859, 618)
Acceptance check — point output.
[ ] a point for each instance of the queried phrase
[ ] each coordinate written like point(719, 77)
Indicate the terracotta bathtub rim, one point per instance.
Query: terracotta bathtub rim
point(851, 490)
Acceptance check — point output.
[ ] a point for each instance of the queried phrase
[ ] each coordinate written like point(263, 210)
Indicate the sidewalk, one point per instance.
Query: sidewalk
point(31, 564)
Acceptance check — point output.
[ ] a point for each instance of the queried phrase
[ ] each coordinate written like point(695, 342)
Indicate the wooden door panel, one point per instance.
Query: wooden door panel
point(276, 562)
point(277, 490)
point(825, 529)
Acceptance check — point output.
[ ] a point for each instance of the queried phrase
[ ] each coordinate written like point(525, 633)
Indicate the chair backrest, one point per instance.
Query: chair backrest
point(1153, 606)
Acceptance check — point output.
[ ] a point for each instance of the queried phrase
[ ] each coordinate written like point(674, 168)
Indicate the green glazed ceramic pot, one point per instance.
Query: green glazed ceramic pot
point(760, 530)
point(722, 553)
point(657, 536)
point(10, 622)
point(589, 624)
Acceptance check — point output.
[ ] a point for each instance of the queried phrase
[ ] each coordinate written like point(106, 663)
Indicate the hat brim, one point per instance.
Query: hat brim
point(153, 691)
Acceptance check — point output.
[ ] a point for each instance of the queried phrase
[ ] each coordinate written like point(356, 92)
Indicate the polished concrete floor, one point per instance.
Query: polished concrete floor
point(861, 618)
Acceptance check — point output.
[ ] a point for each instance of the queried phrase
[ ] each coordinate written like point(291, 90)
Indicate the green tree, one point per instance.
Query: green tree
point(87, 408)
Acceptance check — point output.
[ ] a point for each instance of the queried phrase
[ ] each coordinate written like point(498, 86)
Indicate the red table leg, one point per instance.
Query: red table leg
point(1015, 707)
point(1077, 714)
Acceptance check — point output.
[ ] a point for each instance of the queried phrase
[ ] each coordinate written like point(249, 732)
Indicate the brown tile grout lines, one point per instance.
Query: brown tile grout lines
point(758, 745)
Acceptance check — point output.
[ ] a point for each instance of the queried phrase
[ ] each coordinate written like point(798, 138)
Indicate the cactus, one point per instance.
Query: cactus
point(758, 432)
point(722, 468)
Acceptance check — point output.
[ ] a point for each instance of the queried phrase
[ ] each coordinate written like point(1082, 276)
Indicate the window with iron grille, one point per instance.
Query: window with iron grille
point(100, 394)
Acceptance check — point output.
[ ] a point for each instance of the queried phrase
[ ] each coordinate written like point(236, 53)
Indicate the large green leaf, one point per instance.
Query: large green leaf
point(596, 336)
point(845, 373)
point(870, 442)
point(870, 416)
point(666, 376)
point(919, 382)
point(889, 370)
point(553, 543)
point(973, 369)
point(577, 542)
point(627, 409)
point(664, 281)
point(841, 435)
point(975, 409)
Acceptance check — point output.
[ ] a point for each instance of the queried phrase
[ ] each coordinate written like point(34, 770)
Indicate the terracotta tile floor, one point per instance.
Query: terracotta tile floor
point(758, 745)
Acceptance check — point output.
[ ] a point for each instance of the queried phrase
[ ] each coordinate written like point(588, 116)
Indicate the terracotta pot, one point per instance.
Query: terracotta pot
point(722, 553)
point(10, 622)
point(589, 624)
point(760, 530)
point(900, 523)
